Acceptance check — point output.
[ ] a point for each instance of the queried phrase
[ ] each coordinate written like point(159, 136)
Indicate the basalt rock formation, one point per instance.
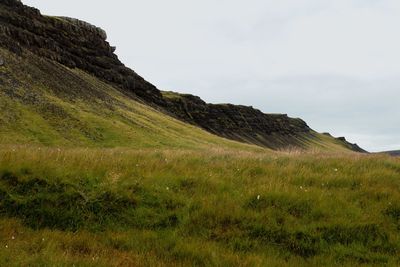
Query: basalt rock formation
point(353, 147)
point(71, 42)
point(77, 44)
point(240, 123)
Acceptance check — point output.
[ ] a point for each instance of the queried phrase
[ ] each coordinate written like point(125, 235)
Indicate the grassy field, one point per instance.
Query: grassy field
point(100, 179)
point(204, 207)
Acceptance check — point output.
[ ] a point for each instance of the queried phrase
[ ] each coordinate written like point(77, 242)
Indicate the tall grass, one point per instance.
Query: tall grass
point(124, 207)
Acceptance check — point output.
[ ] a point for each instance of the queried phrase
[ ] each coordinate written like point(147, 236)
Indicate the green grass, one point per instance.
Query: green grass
point(177, 207)
point(100, 179)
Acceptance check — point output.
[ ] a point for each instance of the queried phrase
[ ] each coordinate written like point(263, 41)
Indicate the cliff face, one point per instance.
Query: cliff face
point(240, 123)
point(77, 44)
point(70, 42)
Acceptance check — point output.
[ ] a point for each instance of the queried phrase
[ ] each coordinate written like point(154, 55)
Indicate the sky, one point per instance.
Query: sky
point(335, 64)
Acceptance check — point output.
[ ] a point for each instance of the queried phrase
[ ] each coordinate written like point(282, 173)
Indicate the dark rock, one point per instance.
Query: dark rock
point(351, 146)
point(239, 123)
point(71, 42)
point(356, 148)
point(83, 24)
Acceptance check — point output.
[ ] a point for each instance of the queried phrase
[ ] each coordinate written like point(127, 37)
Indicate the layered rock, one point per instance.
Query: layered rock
point(77, 44)
point(240, 123)
point(73, 43)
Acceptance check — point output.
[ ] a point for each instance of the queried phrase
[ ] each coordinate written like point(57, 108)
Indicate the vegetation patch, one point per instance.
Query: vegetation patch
point(293, 205)
point(54, 204)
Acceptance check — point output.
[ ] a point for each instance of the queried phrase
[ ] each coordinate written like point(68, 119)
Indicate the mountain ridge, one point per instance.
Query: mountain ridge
point(395, 153)
point(78, 44)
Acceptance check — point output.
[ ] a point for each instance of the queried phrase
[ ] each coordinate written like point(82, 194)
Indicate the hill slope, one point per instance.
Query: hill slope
point(82, 48)
point(43, 102)
point(100, 168)
point(395, 153)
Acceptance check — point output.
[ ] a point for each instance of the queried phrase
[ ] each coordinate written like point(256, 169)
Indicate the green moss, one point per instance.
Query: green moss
point(171, 95)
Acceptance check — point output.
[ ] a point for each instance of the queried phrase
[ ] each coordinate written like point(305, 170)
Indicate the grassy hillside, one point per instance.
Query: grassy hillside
point(123, 207)
point(90, 176)
point(46, 103)
point(78, 44)
point(43, 102)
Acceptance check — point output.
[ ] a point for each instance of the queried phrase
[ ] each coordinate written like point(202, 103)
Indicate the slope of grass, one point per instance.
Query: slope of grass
point(99, 179)
point(218, 207)
point(46, 103)
point(43, 102)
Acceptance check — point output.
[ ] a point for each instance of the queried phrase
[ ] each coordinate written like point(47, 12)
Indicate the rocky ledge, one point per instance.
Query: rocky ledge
point(238, 122)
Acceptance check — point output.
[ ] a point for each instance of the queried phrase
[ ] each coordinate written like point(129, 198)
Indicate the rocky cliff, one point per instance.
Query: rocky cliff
point(240, 123)
point(77, 44)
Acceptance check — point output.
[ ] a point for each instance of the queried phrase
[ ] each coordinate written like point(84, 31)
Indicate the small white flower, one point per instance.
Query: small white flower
point(301, 187)
point(258, 197)
point(6, 246)
point(13, 237)
point(167, 188)
point(335, 170)
point(42, 239)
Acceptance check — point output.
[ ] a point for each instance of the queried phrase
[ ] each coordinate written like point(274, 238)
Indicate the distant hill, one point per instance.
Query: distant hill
point(393, 153)
point(62, 74)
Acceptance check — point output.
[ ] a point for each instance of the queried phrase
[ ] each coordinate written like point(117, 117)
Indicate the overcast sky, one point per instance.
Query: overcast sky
point(333, 63)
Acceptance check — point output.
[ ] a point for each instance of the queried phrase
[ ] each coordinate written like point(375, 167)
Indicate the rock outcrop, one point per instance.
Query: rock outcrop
point(239, 123)
point(83, 24)
point(70, 42)
point(77, 44)
point(351, 146)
